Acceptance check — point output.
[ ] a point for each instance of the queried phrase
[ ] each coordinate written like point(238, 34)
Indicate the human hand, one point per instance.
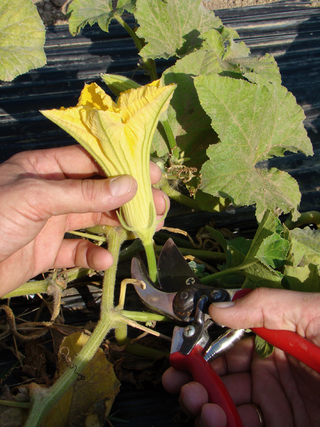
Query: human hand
point(286, 391)
point(46, 193)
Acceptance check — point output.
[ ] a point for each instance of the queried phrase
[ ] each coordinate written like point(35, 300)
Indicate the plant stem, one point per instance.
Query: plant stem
point(115, 237)
point(141, 350)
point(151, 260)
point(204, 255)
point(40, 286)
point(169, 134)
point(88, 236)
point(311, 217)
point(149, 64)
point(207, 280)
point(24, 405)
point(176, 195)
point(144, 316)
point(44, 399)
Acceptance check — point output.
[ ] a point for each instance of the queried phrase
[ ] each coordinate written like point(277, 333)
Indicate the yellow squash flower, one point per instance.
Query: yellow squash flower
point(118, 136)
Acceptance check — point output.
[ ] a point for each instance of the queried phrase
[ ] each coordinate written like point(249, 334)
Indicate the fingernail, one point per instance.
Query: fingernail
point(224, 304)
point(120, 186)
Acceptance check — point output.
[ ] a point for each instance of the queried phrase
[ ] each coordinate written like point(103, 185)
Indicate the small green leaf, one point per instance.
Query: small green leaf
point(118, 84)
point(273, 251)
point(22, 38)
point(303, 279)
point(305, 246)
point(257, 272)
point(254, 123)
point(263, 348)
point(172, 28)
point(92, 11)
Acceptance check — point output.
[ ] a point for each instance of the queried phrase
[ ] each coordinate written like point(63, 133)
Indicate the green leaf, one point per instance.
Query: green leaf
point(305, 246)
point(237, 251)
point(22, 38)
point(92, 11)
point(257, 272)
point(189, 123)
point(273, 251)
point(172, 28)
point(254, 123)
point(263, 348)
point(118, 84)
point(221, 42)
point(304, 279)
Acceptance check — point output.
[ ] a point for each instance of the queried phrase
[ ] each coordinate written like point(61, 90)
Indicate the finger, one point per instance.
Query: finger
point(81, 253)
point(173, 380)
point(155, 173)
point(249, 415)
point(192, 397)
point(50, 198)
point(272, 309)
point(237, 359)
point(212, 415)
point(239, 387)
point(161, 202)
point(58, 163)
point(77, 221)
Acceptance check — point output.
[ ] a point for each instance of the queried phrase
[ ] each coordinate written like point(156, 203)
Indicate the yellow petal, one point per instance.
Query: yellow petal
point(119, 136)
point(69, 119)
point(94, 97)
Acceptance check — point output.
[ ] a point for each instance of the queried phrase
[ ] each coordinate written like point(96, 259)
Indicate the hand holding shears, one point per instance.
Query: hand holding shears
point(184, 299)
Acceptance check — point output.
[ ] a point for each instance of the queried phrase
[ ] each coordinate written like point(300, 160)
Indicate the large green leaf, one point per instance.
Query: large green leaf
point(172, 28)
point(254, 122)
point(189, 123)
point(22, 37)
point(92, 11)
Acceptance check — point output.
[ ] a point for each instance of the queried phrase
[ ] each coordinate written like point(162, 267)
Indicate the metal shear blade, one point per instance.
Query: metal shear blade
point(156, 300)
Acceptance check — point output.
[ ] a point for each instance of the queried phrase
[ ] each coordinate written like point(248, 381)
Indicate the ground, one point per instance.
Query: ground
point(54, 12)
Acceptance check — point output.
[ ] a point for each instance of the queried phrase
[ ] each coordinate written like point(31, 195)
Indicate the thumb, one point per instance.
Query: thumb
point(272, 309)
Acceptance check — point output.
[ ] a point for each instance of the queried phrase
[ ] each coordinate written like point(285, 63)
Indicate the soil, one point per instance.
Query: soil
point(54, 12)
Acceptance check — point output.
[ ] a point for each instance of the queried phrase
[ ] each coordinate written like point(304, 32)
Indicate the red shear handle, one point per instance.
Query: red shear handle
point(288, 341)
point(294, 344)
point(203, 373)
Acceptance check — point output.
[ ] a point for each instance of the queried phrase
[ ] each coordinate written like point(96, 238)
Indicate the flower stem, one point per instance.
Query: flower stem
point(151, 260)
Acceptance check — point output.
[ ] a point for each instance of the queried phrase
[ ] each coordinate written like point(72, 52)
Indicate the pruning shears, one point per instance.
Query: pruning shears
point(182, 297)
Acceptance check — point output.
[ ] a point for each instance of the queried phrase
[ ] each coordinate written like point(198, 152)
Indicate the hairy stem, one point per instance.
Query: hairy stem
point(149, 64)
point(176, 195)
point(44, 399)
point(151, 260)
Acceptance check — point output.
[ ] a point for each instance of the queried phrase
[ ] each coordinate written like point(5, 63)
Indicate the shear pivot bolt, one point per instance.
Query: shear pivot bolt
point(184, 295)
point(189, 331)
point(216, 294)
point(190, 281)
